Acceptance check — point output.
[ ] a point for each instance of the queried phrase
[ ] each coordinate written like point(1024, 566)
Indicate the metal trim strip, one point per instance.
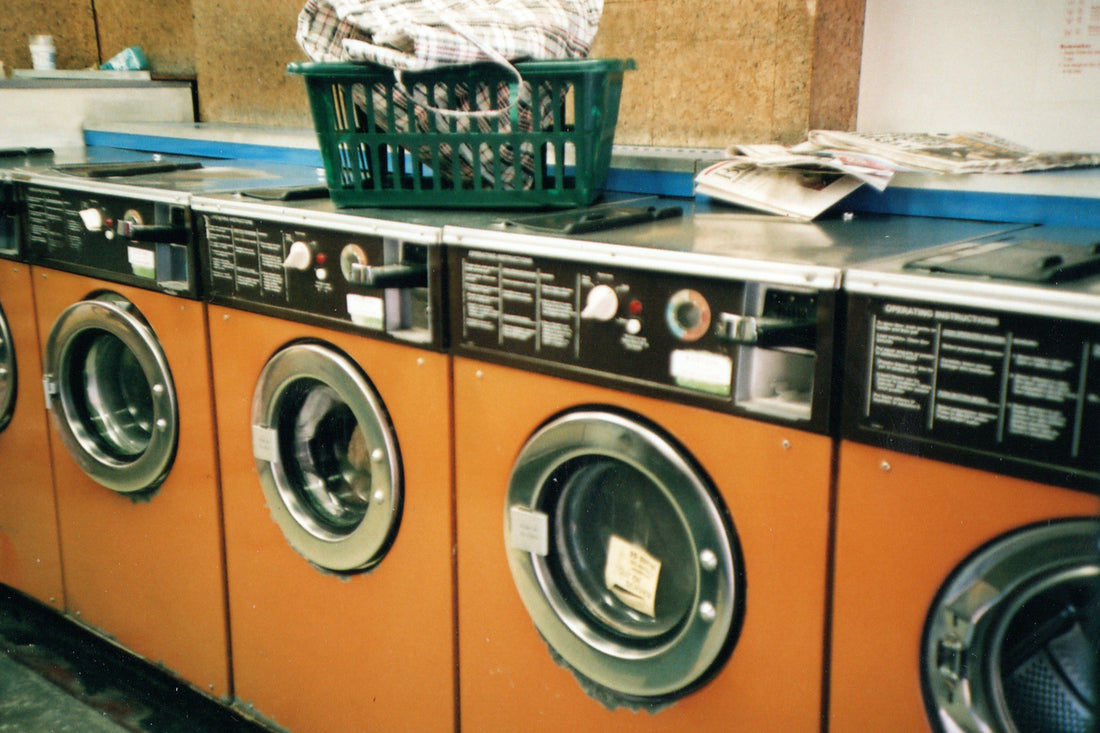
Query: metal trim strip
point(1043, 302)
point(673, 262)
point(353, 224)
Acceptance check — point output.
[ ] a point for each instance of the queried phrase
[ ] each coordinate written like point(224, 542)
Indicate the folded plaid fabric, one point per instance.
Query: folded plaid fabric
point(419, 35)
point(414, 35)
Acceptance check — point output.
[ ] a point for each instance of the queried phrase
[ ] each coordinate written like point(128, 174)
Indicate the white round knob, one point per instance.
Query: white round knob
point(92, 218)
point(299, 257)
point(602, 303)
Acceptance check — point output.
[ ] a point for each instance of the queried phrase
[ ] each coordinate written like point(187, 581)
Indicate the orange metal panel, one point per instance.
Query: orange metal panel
point(312, 650)
point(150, 573)
point(30, 555)
point(775, 483)
point(903, 524)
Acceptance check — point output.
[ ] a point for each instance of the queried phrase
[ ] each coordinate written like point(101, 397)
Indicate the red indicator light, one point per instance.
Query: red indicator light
point(635, 307)
point(321, 258)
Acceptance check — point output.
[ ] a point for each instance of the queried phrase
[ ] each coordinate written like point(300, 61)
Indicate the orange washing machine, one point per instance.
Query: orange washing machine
point(128, 386)
point(967, 577)
point(334, 416)
point(30, 555)
point(643, 469)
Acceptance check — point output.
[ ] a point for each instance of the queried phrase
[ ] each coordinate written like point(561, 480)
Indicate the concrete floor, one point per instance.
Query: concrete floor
point(56, 676)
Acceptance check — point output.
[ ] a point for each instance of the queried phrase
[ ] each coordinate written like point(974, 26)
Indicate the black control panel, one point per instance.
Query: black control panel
point(1013, 393)
point(125, 239)
point(730, 345)
point(379, 286)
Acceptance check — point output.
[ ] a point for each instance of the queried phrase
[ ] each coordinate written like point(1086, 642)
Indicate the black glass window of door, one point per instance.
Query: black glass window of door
point(111, 396)
point(326, 458)
point(594, 498)
point(1049, 660)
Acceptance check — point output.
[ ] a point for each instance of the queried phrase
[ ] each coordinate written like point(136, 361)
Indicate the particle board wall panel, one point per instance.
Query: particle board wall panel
point(70, 22)
point(242, 49)
point(164, 30)
point(710, 72)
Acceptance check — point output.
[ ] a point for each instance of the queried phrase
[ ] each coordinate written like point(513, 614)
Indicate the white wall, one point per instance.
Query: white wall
point(55, 115)
point(1028, 70)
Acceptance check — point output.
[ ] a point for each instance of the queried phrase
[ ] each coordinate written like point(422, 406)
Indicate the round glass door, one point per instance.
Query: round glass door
point(111, 394)
point(1011, 643)
point(327, 457)
point(8, 386)
point(624, 557)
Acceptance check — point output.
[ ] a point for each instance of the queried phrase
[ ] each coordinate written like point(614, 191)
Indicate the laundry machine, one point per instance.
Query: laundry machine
point(333, 395)
point(30, 558)
point(644, 467)
point(967, 565)
point(127, 384)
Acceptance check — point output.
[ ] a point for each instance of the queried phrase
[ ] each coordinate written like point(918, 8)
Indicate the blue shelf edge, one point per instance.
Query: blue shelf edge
point(205, 148)
point(1025, 208)
point(982, 206)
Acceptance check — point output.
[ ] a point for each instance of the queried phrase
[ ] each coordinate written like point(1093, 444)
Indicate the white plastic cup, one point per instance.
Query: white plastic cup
point(43, 53)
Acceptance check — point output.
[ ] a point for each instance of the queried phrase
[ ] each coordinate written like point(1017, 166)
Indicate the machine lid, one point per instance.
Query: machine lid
point(8, 374)
point(118, 169)
point(1010, 643)
point(624, 557)
point(1030, 260)
point(110, 392)
point(327, 457)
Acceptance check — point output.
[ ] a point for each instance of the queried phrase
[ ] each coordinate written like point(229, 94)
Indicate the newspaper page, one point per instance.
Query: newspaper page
point(975, 152)
point(800, 193)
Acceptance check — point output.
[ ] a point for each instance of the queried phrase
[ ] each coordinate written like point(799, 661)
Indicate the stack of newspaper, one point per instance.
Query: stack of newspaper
point(803, 181)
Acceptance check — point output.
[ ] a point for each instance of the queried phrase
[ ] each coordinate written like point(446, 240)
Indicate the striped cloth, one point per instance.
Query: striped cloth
point(418, 35)
point(414, 35)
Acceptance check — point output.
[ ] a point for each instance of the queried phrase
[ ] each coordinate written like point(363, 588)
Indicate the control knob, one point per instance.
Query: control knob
point(93, 219)
point(688, 315)
point(299, 256)
point(602, 304)
point(352, 260)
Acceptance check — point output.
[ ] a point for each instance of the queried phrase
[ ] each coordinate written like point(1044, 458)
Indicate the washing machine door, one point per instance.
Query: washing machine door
point(327, 457)
point(624, 556)
point(1011, 642)
point(110, 393)
point(7, 372)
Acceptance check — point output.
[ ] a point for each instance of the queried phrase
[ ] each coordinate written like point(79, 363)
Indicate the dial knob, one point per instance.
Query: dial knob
point(352, 261)
point(298, 257)
point(92, 218)
point(601, 304)
point(688, 315)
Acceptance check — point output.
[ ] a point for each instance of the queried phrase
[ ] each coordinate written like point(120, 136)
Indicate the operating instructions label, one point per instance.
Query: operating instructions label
point(1005, 383)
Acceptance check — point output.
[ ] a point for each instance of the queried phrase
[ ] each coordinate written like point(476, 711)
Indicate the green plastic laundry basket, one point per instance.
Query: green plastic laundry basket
point(391, 143)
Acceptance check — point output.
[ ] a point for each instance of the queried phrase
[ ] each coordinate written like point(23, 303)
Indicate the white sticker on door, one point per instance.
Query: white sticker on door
point(631, 574)
point(264, 444)
point(529, 530)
